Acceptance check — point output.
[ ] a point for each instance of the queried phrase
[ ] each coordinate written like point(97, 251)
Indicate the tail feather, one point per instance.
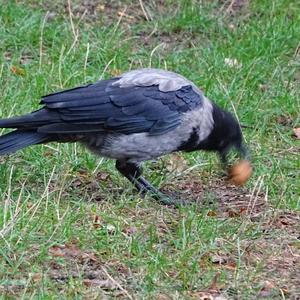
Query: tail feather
point(32, 120)
point(18, 139)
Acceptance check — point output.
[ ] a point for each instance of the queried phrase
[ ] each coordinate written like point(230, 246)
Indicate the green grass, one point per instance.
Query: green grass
point(60, 195)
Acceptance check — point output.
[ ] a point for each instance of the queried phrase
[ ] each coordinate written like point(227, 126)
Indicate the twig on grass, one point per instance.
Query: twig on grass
point(116, 283)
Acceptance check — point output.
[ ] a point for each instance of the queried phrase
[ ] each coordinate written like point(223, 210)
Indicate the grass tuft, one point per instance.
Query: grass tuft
point(71, 227)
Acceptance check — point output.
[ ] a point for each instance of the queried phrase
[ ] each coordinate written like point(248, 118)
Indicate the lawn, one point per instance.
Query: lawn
point(72, 228)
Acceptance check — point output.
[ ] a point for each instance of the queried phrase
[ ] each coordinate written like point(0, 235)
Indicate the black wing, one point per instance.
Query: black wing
point(103, 107)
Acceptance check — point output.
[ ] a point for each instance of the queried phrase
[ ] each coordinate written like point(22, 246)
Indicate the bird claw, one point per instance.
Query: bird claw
point(133, 173)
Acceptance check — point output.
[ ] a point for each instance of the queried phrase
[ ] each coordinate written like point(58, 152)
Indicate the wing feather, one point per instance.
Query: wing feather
point(105, 106)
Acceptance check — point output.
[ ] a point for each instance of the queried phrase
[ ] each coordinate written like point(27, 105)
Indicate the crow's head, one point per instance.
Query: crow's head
point(225, 135)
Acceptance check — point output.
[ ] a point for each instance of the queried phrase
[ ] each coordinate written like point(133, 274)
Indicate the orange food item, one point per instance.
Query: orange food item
point(240, 172)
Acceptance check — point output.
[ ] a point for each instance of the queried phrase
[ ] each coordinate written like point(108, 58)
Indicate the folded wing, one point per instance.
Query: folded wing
point(105, 107)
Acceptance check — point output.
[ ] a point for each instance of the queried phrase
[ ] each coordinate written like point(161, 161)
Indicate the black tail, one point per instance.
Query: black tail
point(32, 120)
point(19, 139)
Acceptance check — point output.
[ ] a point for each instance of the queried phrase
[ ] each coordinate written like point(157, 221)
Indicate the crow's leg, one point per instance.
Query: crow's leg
point(133, 173)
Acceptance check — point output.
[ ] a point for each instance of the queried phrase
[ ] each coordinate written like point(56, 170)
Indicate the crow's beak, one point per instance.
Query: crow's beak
point(224, 156)
point(242, 150)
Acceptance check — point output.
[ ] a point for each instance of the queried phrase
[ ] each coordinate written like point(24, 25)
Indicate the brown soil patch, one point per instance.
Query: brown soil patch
point(104, 11)
point(68, 262)
point(220, 195)
point(270, 262)
point(234, 7)
point(274, 259)
point(178, 40)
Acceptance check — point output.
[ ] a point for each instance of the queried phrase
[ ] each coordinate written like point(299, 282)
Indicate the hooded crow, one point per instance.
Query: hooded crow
point(138, 116)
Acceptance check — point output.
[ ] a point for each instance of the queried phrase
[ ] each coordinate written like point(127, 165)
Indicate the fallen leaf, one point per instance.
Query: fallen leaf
point(18, 71)
point(218, 259)
point(83, 173)
point(64, 250)
point(173, 273)
point(129, 230)
point(233, 213)
point(88, 256)
point(230, 266)
point(97, 221)
point(120, 267)
point(72, 250)
point(296, 133)
point(37, 277)
point(106, 284)
point(77, 183)
point(102, 176)
point(284, 120)
point(284, 222)
point(267, 289)
point(212, 213)
point(224, 261)
point(57, 251)
point(243, 210)
point(55, 265)
point(162, 297)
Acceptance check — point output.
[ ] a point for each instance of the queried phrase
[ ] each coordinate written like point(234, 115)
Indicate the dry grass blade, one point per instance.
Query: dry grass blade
point(117, 283)
point(148, 18)
point(41, 40)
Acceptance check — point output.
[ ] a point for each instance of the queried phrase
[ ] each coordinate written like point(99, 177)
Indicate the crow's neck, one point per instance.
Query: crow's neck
point(213, 141)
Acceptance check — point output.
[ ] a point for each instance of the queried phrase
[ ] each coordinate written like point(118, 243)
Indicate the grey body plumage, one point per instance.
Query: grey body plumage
point(141, 115)
point(138, 147)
